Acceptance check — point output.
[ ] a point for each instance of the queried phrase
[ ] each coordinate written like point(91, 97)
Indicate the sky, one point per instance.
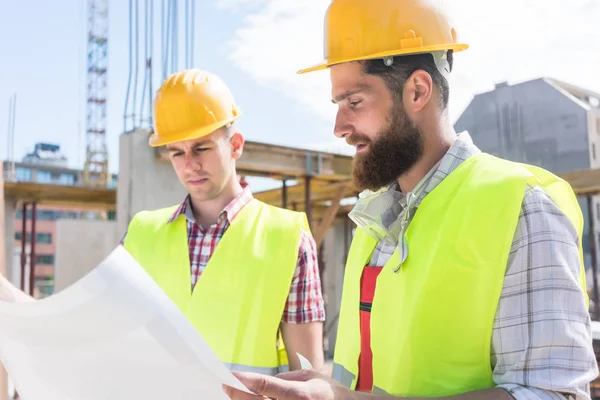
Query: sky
point(256, 47)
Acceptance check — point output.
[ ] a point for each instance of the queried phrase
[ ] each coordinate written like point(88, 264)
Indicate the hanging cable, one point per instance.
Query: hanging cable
point(146, 54)
point(9, 129)
point(12, 135)
point(125, 113)
point(163, 54)
point(80, 85)
point(167, 40)
point(174, 39)
point(137, 59)
point(193, 33)
point(187, 33)
point(151, 78)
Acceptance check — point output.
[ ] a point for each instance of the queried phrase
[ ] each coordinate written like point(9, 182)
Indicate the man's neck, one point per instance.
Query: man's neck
point(435, 149)
point(207, 212)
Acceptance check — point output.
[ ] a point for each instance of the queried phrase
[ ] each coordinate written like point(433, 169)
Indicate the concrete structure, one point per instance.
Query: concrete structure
point(542, 122)
point(145, 183)
point(80, 246)
point(51, 199)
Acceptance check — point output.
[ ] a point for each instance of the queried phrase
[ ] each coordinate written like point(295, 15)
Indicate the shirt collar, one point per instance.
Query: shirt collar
point(229, 212)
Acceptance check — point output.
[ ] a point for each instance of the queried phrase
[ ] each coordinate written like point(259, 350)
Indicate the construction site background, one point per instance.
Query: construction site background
point(59, 222)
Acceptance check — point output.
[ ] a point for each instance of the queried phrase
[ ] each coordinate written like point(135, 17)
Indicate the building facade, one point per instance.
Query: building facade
point(542, 122)
point(45, 165)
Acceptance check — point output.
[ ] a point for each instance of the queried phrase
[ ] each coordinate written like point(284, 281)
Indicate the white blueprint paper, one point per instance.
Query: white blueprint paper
point(112, 335)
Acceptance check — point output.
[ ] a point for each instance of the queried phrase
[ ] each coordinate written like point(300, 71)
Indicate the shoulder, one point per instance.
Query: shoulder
point(283, 217)
point(485, 163)
point(541, 215)
point(545, 240)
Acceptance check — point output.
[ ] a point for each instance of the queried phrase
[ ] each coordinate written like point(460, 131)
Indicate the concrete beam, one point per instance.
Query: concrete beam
point(320, 192)
point(80, 196)
point(583, 181)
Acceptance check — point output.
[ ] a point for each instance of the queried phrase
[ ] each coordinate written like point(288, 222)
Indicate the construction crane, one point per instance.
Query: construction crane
point(95, 172)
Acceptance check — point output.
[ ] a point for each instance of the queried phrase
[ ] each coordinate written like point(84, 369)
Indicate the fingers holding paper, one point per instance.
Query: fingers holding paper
point(296, 385)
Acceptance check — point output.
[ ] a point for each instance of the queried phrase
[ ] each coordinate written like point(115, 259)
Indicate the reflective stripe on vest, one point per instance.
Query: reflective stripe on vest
point(342, 375)
point(238, 302)
point(248, 368)
point(432, 321)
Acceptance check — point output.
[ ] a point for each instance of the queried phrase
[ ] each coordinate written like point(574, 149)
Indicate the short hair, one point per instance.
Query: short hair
point(228, 130)
point(403, 67)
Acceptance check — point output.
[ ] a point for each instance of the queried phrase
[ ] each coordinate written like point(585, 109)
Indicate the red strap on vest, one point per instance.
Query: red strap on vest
point(365, 360)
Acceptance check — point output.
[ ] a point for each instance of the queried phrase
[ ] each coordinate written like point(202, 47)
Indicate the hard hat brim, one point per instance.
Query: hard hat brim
point(156, 141)
point(401, 52)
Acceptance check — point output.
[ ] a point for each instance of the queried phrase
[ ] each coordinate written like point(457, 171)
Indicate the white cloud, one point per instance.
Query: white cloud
point(239, 5)
point(510, 40)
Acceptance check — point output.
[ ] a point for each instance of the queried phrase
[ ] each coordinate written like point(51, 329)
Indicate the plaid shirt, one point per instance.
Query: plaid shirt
point(305, 301)
point(541, 342)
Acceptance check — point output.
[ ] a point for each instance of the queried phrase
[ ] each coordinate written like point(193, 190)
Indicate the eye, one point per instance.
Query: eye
point(176, 154)
point(355, 103)
point(201, 149)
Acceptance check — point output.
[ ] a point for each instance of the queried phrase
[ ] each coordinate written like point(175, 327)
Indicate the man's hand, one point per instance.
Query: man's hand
point(296, 385)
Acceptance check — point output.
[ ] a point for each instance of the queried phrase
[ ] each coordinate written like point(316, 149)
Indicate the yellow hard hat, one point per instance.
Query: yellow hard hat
point(191, 104)
point(370, 29)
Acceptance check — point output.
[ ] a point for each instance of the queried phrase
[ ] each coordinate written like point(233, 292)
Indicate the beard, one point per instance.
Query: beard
point(391, 154)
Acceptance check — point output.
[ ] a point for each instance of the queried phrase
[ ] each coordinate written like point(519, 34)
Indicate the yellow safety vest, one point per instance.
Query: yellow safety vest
point(238, 302)
point(431, 323)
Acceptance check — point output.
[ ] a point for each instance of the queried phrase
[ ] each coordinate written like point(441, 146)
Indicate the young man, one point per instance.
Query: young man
point(244, 273)
point(253, 267)
point(470, 285)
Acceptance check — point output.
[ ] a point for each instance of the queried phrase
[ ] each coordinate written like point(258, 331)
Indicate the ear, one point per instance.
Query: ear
point(237, 145)
point(418, 91)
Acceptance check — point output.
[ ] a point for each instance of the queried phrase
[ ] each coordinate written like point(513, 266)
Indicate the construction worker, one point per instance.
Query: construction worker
point(465, 277)
point(253, 267)
point(243, 272)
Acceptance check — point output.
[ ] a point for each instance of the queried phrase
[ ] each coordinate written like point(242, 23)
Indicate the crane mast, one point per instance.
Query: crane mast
point(96, 161)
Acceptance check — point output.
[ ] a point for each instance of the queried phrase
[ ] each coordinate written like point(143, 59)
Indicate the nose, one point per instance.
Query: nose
point(342, 127)
point(192, 162)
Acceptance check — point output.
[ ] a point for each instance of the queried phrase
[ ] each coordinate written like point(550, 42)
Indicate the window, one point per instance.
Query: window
point(113, 182)
point(47, 215)
point(598, 126)
point(47, 259)
point(43, 238)
point(45, 284)
point(66, 179)
point(594, 151)
point(598, 211)
point(23, 174)
point(43, 177)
